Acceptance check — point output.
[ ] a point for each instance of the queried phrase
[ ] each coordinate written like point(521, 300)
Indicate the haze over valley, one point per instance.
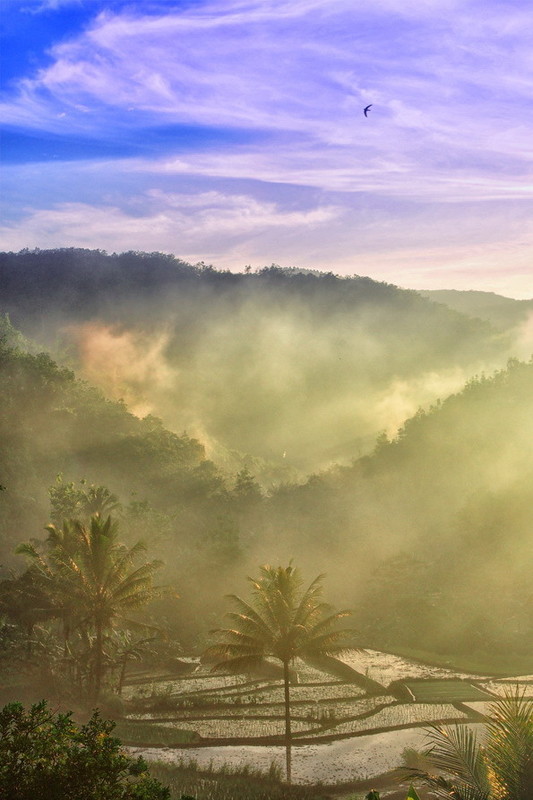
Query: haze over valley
point(367, 431)
point(316, 365)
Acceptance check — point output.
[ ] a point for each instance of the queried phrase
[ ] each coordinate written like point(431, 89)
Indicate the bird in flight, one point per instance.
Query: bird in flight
point(367, 109)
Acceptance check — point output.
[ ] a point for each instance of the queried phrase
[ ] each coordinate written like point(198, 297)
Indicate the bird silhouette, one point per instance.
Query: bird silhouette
point(366, 110)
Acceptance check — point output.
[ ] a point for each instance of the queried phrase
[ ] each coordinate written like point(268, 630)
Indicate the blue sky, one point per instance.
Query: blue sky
point(232, 132)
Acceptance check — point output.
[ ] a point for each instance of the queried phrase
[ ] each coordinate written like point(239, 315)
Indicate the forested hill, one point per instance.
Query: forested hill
point(504, 313)
point(300, 370)
point(429, 538)
point(59, 436)
point(433, 533)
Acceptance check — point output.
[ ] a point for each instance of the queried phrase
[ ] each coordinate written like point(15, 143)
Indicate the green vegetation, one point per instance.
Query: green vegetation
point(281, 622)
point(501, 767)
point(88, 579)
point(502, 312)
point(444, 691)
point(262, 364)
point(412, 794)
point(46, 755)
point(152, 735)
point(424, 529)
point(242, 783)
point(438, 495)
point(55, 425)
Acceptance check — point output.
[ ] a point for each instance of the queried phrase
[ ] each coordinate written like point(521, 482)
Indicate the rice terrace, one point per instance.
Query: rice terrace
point(353, 718)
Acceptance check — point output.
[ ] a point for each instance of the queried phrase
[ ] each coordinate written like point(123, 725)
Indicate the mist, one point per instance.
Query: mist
point(296, 370)
point(361, 430)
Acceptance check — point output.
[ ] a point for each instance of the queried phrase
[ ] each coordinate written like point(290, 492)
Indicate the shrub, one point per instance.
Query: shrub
point(46, 755)
point(112, 705)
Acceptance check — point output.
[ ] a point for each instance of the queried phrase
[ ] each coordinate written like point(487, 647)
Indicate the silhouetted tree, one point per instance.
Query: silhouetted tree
point(281, 621)
point(93, 578)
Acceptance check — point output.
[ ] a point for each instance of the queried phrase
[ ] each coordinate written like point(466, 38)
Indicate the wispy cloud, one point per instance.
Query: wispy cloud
point(416, 245)
point(200, 226)
point(296, 66)
point(305, 69)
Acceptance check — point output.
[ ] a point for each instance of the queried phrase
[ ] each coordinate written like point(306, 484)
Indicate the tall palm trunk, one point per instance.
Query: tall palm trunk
point(287, 720)
point(98, 665)
point(122, 675)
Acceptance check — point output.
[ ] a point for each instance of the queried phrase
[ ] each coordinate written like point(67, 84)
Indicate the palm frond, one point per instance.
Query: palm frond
point(510, 745)
point(230, 658)
point(308, 605)
point(250, 616)
point(443, 788)
point(454, 750)
point(335, 642)
point(282, 621)
point(124, 562)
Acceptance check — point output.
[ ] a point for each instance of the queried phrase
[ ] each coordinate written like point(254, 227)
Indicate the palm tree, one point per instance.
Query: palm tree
point(500, 769)
point(93, 579)
point(129, 649)
point(46, 575)
point(281, 621)
point(99, 500)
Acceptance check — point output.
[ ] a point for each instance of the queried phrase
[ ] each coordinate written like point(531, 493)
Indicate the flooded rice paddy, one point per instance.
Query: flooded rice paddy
point(341, 733)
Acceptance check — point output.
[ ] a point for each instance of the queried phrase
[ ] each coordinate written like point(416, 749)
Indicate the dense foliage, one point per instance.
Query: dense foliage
point(88, 580)
point(54, 425)
point(47, 755)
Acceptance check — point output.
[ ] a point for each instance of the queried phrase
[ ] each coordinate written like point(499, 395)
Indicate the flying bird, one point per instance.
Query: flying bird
point(367, 109)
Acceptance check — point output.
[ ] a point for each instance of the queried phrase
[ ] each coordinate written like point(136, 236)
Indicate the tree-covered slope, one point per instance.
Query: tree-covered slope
point(299, 369)
point(429, 538)
point(504, 313)
point(432, 535)
point(55, 424)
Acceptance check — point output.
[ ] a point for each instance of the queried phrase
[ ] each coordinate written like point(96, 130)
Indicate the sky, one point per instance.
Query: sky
point(232, 132)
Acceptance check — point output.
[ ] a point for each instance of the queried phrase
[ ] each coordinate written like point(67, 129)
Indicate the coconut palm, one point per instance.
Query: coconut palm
point(93, 579)
point(45, 574)
point(281, 621)
point(500, 769)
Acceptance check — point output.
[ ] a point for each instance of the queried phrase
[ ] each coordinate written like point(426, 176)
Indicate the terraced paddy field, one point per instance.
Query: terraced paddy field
point(344, 729)
point(442, 691)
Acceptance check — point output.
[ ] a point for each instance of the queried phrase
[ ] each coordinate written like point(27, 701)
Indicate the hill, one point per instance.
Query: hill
point(428, 538)
point(290, 369)
point(503, 313)
point(432, 534)
point(59, 437)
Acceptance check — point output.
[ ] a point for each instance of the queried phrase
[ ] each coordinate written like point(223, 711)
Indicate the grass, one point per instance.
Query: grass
point(445, 691)
point(228, 783)
point(482, 663)
point(144, 734)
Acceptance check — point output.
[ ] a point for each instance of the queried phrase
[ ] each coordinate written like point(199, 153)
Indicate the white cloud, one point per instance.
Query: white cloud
point(299, 66)
point(305, 163)
point(448, 118)
point(198, 227)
